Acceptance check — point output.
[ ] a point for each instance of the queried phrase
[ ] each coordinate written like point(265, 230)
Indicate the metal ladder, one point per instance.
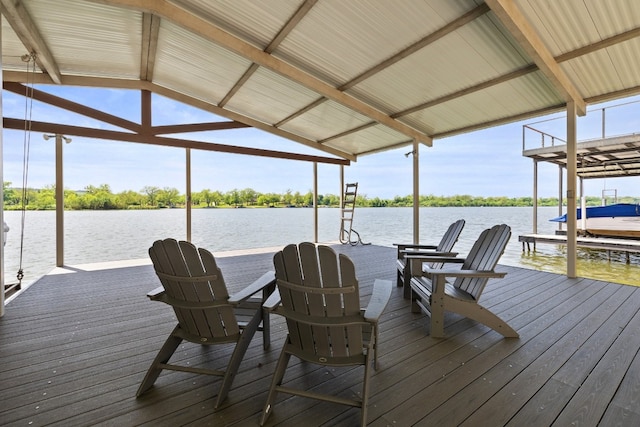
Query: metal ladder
point(346, 216)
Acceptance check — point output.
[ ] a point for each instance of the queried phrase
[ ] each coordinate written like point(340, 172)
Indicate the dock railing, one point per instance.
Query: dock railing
point(598, 123)
point(546, 139)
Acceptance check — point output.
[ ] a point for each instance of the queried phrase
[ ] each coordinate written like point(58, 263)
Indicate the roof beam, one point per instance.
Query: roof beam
point(197, 25)
point(198, 103)
point(29, 35)
point(284, 32)
point(18, 76)
point(150, 31)
point(65, 104)
point(111, 135)
point(196, 127)
point(515, 22)
point(420, 44)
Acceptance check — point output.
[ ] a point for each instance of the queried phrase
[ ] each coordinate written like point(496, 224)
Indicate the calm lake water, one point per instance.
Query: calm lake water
point(97, 236)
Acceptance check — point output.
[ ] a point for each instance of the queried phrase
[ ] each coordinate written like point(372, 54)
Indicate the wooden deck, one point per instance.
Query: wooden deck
point(74, 348)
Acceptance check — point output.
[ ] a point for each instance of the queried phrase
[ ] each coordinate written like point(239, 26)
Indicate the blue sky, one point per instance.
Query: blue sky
point(483, 163)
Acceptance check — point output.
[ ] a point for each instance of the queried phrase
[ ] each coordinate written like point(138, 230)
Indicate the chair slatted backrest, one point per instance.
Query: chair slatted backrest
point(450, 237)
point(484, 255)
point(317, 288)
point(189, 274)
point(449, 240)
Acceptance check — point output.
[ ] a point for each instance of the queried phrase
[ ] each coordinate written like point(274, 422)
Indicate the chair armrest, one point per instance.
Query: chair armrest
point(416, 253)
point(464, 273)
point(379, 299)
point(272, 302)
point(267, 279)
point(440, 257)
point(408, 247)
point(156, 294)
point(402, 246)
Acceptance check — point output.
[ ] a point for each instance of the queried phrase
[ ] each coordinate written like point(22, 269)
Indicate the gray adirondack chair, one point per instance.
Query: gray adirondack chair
point(317, 293)
point(194, 286)
point(443, 248)
point(432, 294)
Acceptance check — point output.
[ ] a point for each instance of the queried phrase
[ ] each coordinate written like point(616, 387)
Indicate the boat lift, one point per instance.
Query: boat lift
point(346, 216)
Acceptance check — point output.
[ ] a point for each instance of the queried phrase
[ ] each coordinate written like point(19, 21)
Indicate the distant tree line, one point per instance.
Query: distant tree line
point(101, 198)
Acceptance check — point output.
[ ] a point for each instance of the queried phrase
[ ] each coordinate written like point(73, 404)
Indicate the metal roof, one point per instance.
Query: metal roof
point(345, 77)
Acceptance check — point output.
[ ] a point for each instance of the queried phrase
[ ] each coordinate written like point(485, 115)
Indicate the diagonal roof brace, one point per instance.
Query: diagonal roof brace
point(518, 26)
point(29, 35)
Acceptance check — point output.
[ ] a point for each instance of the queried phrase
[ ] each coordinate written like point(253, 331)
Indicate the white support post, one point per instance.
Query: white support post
point(572, 235)
point(187, 200)
point(416, 193)
point(560, 195)
point(315, 202)
point(59, 202)
point(583, 207)
point(341, 187)
point(535, 197)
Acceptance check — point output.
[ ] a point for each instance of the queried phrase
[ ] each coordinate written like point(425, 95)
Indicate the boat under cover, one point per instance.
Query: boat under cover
point(616, 220)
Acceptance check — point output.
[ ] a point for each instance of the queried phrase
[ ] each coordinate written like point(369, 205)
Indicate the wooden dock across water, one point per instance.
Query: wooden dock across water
point(75, 346)
point(604, 243)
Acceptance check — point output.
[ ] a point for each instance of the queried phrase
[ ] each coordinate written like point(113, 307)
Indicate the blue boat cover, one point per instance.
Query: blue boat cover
point(615, 210)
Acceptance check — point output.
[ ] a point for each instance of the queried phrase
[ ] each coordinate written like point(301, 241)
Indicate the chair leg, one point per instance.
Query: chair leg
point(278, 375)
point(165, 353)
point(375, 345)
point(266, 329)
point(238, 353)
point(406, 281)
point(437, 322)
point(365, 392)
point(480, 314)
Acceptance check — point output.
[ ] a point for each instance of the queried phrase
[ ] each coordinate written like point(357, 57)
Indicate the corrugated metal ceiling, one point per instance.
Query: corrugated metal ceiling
point(346, 78)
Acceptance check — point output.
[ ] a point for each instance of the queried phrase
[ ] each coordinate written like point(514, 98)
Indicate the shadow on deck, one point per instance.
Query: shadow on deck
point(74, 348)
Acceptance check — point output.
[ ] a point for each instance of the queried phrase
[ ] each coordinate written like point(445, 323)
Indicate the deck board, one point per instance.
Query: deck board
point(74, 348)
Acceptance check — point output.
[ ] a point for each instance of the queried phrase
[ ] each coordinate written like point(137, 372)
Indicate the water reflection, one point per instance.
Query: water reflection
point(591, 263)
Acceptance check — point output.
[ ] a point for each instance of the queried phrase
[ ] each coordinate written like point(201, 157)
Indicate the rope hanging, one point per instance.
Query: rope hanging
point(30, 60)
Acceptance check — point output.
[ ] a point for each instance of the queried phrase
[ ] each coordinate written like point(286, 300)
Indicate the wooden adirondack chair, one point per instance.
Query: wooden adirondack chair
point(319, 297)
point(194, 286)
point(449, 239)
point(432, 294)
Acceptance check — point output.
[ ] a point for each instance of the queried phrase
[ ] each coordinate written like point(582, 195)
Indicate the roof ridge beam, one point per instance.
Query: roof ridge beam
point(525, 35)
point(150, 31)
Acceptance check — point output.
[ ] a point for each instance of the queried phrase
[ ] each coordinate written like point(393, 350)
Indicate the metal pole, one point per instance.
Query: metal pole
point(341, 186)
point(59, 203)
point(187, 200)
point(571, 189)
point(535, 197)
point(560, 195)
point(416, 193)
point(315, 202)
point(583, 207)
